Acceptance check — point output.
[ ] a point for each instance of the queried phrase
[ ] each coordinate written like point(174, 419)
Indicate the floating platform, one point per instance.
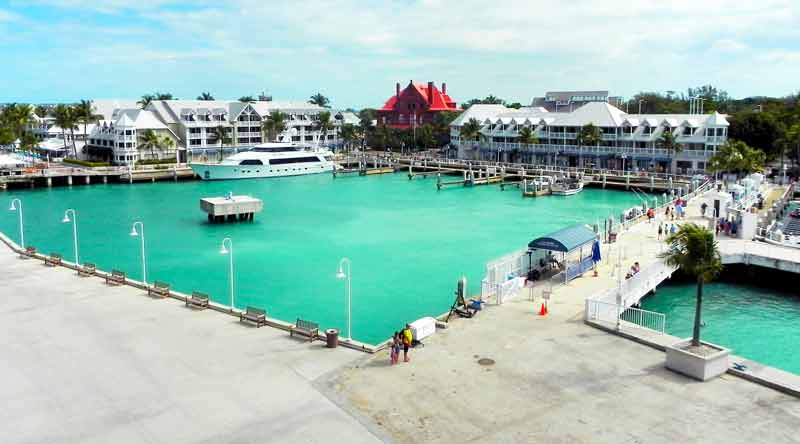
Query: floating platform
point(231, 209)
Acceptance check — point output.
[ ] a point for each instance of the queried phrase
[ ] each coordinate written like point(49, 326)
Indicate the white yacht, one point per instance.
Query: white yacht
point(268, 160)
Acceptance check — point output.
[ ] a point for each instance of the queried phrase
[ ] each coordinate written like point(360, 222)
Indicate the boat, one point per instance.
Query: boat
point(566, 187)
point(278, 159)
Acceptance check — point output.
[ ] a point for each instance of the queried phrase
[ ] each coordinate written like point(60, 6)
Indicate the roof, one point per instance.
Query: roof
point(565, 240)
point(437, 100)
point(479, 112)
point(106, 107)
point(598, 113)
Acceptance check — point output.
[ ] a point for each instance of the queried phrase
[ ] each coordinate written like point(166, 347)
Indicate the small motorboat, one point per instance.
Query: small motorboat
point(566, 187)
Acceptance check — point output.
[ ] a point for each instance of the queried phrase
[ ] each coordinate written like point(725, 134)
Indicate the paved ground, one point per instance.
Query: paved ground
point(557, 380)
point(86, 363)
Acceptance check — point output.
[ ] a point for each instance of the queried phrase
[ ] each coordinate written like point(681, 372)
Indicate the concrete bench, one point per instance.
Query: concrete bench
point(254, 315)
point(87, 269)
point(53, 260)
point(197, 299)
point(158, 289)
point(305, 328)
point(115, 278)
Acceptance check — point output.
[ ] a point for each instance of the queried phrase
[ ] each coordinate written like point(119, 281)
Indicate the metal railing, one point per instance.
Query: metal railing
point(631, 317)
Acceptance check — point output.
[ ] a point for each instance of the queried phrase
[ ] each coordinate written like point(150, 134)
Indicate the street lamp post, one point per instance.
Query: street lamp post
point(140, 234)
point(640, 105)
point(342, 275)
point(229, 251)
point(624, 156)
point(16, 205)
point(74, 221)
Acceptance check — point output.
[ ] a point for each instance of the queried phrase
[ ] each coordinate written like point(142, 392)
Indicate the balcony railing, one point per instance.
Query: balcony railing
point(588, 150)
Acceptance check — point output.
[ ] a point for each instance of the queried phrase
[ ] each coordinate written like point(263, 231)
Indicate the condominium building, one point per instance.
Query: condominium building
point(568, 101)
point(120, 138)
point(628, 141)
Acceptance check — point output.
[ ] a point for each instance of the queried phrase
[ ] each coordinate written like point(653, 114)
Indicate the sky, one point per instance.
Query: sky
point(355, 51)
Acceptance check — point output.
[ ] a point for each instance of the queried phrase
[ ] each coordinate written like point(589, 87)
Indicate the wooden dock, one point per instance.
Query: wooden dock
point(231, 208)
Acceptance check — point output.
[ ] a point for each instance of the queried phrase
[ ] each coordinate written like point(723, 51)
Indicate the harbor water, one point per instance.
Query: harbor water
point(757, 322)
point(408, 243)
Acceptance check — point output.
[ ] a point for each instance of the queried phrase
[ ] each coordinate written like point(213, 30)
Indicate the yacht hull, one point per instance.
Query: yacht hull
point(230, 172)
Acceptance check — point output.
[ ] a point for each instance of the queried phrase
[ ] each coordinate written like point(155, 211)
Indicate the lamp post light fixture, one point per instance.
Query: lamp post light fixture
point(229, 251)
point(16, 205)
point(140, 234)
point(74, 221)
point(342, 275)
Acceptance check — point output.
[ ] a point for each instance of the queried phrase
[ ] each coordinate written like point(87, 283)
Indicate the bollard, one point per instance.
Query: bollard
point(69, 180)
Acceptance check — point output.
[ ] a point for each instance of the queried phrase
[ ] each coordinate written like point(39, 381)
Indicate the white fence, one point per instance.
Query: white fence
point(632, 317)
point(630, 291)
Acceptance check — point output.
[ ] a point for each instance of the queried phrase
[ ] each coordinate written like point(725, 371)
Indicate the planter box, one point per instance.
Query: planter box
point(696, 366)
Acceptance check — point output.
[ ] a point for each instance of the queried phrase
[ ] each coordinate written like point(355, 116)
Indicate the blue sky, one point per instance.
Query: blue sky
point(355, 51)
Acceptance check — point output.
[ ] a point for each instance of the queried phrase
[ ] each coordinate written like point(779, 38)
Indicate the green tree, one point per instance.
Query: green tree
point(41, 111)
point(758, 129)
point(527, 136)
point(163, 96)
point(589, 134)
point(274, 124)
point(145, 100)
point(319, 100)
point(66, 118)
point(695, 251)
point(425, 137)
point(736, 156)
point(152, 141)
point(28, 141)
point(324, 124)
point(350, 134)
point(247, 99)
point(205, 96)
point(84, 114)
point(471, 130)
point(668, 141)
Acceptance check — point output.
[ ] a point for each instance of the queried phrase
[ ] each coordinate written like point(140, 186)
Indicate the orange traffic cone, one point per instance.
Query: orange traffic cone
point(542, 311)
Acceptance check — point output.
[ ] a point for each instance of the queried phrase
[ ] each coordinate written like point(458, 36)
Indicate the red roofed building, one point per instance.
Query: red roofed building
point(416, 101)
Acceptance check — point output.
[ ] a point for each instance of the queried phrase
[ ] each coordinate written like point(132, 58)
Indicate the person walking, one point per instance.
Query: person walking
point(703, 208)
point(660, 230)
point(406, 338)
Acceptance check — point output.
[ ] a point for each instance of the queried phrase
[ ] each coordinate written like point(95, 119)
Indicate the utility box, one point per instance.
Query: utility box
point(422, 328)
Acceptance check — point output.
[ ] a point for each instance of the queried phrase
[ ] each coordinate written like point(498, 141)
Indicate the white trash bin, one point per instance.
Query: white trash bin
point(422, 328)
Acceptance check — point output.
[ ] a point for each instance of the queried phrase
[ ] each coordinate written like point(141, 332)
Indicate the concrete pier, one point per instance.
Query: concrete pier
point(231, 209)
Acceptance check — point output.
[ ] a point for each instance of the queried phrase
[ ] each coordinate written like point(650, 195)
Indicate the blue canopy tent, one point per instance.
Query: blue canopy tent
point(576, 238)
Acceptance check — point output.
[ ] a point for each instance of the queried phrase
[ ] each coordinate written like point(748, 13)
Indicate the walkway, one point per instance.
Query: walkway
point(88, 363)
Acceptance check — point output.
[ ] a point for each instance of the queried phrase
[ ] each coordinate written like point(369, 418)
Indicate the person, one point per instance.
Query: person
point(679, 210)
point(651, 214)
point(672, 229)
point(660, 229)
point(636, 267)
point(406, 337)
point(703, 208)
point(394, 353)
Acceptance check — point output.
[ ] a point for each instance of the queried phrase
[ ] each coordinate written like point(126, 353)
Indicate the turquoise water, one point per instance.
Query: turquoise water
point(757, 323)
point(408, 243)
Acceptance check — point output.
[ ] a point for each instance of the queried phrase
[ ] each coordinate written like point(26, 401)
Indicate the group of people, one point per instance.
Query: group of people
point(666, 229)
point(635, 268)
point(401, 339)
point(678, 210)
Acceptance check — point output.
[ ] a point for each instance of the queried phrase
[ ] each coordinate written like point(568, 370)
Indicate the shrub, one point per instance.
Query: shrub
point(86, 163)
point(157, 161)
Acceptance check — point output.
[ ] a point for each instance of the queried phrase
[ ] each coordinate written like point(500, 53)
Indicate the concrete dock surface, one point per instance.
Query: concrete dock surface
point(83, 362)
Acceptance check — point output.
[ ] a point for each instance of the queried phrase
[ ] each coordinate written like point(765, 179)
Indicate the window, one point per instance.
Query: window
point(309, 138)
point(251, 162)
point(194, 130)
point(294, 160)
point(687, 131)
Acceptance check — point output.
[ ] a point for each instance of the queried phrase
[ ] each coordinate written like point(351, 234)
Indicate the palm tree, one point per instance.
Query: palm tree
point(40, 111)
point(527, 136)
point(84, 113)
point(471, 130)
point(65, 117)
point(492, 100)
point(695, 251)
point(589, 135)
point(150, 140)
point(324, 124)
point(205, 96)
point(274, 124)
point(736, 156)
point(145, 100)
point(349, 134)
point(163, 96)
point(247, 99)
point(669, 142)
point(319, 100)
point(221, 135)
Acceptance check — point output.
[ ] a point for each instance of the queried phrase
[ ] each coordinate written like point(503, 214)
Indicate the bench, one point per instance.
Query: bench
point(87, 269)
point(159, 289)
point(52, 260)
point(115, 278)
point(305, 328)
point(197, 299)
point(254, 315)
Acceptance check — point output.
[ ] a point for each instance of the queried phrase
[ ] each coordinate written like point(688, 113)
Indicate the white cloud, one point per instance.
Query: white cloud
point(8, 16)
point(728, 45)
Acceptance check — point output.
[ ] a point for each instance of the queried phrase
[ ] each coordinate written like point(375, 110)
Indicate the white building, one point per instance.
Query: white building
point(120, 138)
point(628, 140)
point(195, 122)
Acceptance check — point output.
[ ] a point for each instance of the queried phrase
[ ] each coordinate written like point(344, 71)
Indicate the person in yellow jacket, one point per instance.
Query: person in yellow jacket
point(406, 337)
